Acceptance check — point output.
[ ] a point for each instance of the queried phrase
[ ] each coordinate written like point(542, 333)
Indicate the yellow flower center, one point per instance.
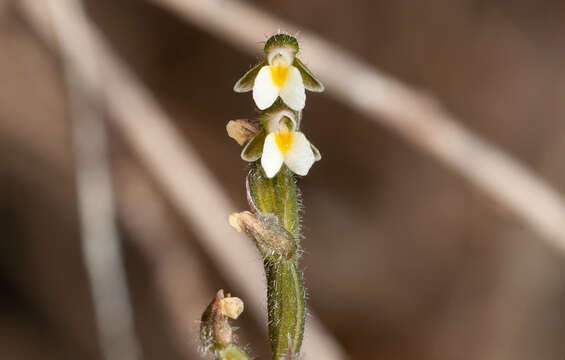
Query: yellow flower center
point(283, 141)
point(279, 73)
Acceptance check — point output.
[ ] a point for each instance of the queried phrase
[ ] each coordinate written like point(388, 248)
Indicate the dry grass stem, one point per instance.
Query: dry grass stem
point(99, 236)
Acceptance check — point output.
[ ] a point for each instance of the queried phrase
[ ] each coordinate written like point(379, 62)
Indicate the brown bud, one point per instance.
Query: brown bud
point(214, 328)
point(241, 130)
point(232, 307)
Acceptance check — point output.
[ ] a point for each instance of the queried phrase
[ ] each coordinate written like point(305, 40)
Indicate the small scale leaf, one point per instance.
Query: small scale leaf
point(273, 241)
point(310, 81)
point(254, 148)
point(246, 82)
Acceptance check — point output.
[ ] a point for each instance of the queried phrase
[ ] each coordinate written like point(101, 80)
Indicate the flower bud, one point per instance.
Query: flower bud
point(231, 307)
point(214, 327)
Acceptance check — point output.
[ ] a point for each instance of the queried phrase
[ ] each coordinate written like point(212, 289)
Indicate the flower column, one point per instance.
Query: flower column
point(277, 150)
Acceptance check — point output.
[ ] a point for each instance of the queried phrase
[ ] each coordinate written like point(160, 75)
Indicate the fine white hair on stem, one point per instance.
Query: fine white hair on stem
point(410, 113)
point(99, 235)
point(178, 171)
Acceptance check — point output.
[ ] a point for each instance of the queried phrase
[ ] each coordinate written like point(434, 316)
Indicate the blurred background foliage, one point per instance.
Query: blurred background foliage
point(403, 258)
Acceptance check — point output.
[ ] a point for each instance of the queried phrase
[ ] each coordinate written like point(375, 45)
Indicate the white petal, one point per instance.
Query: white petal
point(286, 53)
point(292, 92)
point(265, 92)
point(272, 158)
point(299, 158)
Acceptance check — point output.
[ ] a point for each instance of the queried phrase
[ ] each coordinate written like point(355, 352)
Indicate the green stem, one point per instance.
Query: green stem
point(285, 290)
point(286, 304)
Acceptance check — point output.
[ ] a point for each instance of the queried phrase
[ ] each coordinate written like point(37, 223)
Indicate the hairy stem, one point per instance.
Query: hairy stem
point(285, 289)
point(286, 304)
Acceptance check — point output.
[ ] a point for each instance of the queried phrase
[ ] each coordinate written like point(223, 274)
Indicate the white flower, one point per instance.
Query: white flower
point(279, 78)
point(285, 145)
point(288, 147)
point(281, 73)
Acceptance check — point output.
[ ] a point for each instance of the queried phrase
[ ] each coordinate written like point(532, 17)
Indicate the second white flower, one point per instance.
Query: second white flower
point(288, 147)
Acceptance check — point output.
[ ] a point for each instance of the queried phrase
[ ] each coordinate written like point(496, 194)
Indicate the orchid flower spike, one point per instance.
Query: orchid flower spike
point(281, 73)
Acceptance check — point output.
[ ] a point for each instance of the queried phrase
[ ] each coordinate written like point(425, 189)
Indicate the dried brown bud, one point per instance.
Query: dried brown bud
point(214, 328)
point(241, 130)
point(232, 307)
point(236, 221)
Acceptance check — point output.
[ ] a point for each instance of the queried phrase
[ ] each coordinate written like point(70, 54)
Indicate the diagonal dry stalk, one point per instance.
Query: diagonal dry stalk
point(178, 170)
point(412, 114)
point(99, 235)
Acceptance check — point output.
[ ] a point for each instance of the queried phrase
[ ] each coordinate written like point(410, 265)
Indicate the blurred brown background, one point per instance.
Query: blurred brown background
point(404, 259)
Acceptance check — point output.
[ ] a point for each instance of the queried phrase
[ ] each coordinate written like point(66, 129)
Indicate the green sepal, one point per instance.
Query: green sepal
point(317, 154)
point(309, 80)
point(254, 148)
point(246, 82)
point(282, 40)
